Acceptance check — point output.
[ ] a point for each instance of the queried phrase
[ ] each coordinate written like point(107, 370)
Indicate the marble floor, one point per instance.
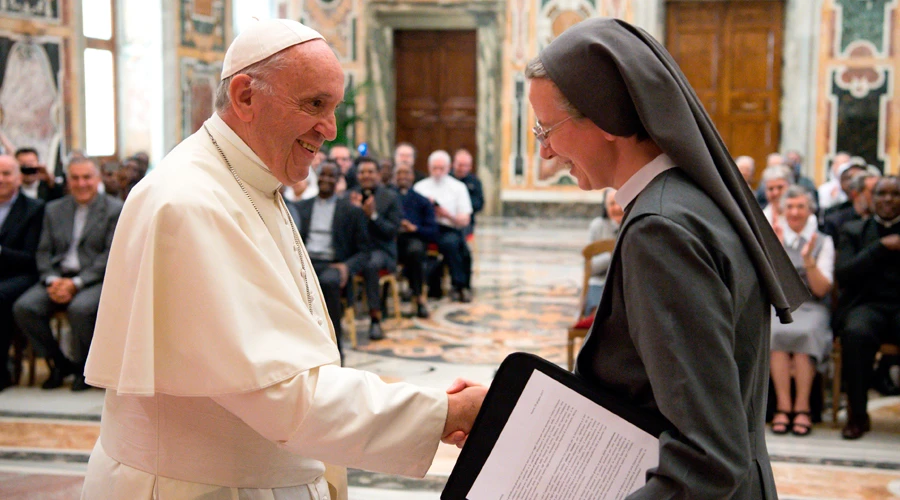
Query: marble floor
point(526, 277)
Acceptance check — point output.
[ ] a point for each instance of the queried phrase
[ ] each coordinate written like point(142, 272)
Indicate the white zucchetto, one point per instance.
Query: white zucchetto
point(262, 40)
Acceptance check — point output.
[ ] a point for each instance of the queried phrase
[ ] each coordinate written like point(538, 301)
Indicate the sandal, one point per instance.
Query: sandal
point(781, 427)
point(798, 429)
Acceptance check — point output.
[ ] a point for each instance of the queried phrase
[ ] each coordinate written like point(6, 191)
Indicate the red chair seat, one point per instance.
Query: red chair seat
point(584, 322)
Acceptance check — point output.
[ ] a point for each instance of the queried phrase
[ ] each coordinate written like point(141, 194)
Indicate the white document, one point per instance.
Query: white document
point(558, 444)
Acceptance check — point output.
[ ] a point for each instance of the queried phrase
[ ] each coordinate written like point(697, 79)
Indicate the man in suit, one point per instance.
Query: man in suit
point(462, 171)
point(418, 228)
point(682, 329)
point(20, 230)
point(867, 268)
point(335, 235)
point(37, 181)
point(71, 259)
point(382, 209)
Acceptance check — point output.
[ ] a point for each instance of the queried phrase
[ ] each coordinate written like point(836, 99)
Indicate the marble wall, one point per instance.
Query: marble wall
point(36, 78)
point(859, 60)
point(204, 34)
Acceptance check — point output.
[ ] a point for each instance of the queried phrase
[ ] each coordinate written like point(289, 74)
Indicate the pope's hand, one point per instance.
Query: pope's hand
point(464, 402)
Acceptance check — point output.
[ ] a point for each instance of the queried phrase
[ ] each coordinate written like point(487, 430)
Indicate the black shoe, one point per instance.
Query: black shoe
point(79, 384)
point(456, 295)
point(465, 295)
point(58, 373)
point(375, 332)
point(422, 311)
point(884, 385)
point(855, 428)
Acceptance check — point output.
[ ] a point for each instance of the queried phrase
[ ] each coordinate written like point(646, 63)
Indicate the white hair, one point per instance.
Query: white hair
point(775, 172)
point(439, 154)
point(796, 191)
point(261, 72)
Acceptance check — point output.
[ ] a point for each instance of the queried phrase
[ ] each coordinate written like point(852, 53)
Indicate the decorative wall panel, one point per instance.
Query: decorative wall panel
point(45, 10)
point(203, 24)
point(857, 74)
point(31, 101)
point(198, 89)
point(336, 20)
point(205, 35)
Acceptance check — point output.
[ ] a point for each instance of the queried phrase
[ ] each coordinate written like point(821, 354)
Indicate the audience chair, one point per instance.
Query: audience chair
point(583, 323)
point(23, 350)
point(433, 256)
point(836, 394)
point(350, 319)
point(386, 280)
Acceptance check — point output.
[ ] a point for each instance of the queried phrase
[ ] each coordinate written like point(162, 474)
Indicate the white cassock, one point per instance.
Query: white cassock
point(219, 381)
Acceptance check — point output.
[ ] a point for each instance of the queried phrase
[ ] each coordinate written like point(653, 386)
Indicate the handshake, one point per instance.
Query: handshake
point(464, 402)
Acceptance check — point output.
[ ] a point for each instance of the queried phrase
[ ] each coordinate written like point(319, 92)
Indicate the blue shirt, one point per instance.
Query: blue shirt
point(420, 212)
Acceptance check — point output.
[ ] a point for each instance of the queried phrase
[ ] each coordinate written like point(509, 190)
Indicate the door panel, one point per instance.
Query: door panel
point(436, 91)
point(730, 52)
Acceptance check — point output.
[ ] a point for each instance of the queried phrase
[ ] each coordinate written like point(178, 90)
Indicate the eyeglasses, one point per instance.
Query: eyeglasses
point(541, 133)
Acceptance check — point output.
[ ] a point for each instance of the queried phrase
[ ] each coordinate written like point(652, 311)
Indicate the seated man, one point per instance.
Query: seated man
point(341, 156)
point(747, 166)
point(846, 172)
point(20, 230)
point(334, 232)
point(462, 171)
point(867, 269)
point(71, 258)
point(417, 228)
point(382, 208)
point(453, 209)
point(860, 192)
point(37, 180)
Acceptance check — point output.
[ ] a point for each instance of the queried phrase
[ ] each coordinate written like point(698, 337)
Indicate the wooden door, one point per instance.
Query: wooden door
point(436, 91)
point(730, 53)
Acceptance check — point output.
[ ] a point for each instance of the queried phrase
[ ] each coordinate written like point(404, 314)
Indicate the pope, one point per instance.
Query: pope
point(212, 340)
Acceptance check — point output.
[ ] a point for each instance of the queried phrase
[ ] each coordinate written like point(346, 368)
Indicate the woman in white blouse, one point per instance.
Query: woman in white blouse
point(798, 346)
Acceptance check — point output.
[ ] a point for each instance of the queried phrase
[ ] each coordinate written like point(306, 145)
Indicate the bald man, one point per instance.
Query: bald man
point(20, 230)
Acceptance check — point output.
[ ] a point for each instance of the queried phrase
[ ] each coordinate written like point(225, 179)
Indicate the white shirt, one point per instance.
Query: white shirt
point(450, 194)
point(641, 179)
point(31, 190)
point(70, 263)
point(825, 259)
point(831, 194)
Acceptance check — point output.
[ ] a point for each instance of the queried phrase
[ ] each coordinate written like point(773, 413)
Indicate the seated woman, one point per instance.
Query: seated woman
point(604, 227)
point(798, 346)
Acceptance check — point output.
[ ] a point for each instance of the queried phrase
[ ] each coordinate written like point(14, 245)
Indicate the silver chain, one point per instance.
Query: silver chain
point(297, 246)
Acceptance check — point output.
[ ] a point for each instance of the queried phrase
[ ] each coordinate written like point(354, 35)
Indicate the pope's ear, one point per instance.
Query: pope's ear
point(241, 96)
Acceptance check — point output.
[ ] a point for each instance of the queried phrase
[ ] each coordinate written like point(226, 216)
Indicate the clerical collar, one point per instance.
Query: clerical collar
point(31, 190)
point(886, 223)
point(641, 179)
point(244, 161)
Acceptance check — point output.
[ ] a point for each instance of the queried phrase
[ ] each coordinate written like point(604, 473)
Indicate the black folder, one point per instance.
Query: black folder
point(507, 386)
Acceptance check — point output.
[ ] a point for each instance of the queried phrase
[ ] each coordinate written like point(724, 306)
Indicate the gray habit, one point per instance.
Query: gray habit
point(683, 325)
